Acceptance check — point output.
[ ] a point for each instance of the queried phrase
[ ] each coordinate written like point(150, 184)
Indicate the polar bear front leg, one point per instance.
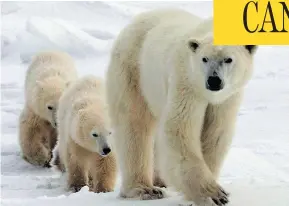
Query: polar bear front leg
point(133, 129)
point(157, 179)
point(183, 164)
point(30, 137)
point(218, 131)
point(76, 174)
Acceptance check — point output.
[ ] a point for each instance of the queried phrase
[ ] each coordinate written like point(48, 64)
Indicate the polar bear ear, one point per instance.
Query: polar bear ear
point(251, 48)
point(194, 45)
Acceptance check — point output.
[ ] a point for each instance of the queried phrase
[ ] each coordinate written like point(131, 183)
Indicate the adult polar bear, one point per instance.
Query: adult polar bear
point(166, 79)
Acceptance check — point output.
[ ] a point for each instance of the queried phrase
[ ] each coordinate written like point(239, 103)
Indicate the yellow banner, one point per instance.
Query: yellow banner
point(244, 22)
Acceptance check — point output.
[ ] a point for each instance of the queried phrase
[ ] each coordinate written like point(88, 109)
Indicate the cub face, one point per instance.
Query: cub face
point(91, 128)
point(46, 96)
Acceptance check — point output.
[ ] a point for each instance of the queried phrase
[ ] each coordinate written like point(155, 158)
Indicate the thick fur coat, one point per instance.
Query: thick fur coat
point(168, 83)
point(83, 149)
point(47, 77)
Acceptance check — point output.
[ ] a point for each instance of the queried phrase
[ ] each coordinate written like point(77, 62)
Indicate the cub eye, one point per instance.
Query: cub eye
point(95, 135)
point(205, 59)
point(50, 107)
point(228, 60)
point(109, 133)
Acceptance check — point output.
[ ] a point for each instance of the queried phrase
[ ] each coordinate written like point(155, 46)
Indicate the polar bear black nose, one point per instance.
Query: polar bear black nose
point(106, 150)
point(214, 83)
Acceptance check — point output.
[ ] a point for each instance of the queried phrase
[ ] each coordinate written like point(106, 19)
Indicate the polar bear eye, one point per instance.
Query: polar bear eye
point(205, 59)
point(228, 60)
point(50, 107)
point(95, 135)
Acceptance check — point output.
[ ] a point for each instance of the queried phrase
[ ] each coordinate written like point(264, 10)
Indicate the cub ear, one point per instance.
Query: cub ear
point(81, 114)
point(194, 45)
point(251, 48)
point(79, 104)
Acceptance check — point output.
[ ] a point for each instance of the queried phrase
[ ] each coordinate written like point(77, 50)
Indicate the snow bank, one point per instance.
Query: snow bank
point(74, 27)
point(48, 33)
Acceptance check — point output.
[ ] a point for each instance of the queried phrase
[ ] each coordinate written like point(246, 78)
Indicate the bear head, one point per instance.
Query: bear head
point(46, 96)
point(90, 125)
point(219, 71)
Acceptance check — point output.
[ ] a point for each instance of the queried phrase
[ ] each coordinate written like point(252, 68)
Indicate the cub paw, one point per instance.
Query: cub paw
point(158, 182)
point(75, 188)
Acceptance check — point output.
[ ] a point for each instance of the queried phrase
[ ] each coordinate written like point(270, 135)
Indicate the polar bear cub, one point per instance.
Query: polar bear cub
point(83, 149)
point(47, 77)
point(166, 79)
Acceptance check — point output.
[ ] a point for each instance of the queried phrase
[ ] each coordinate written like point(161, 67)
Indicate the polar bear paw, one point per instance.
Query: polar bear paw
point(144, 193)
point(218, 195)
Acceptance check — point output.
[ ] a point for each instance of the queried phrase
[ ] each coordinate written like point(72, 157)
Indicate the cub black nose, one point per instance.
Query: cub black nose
point(214, 83)
point(106, 150)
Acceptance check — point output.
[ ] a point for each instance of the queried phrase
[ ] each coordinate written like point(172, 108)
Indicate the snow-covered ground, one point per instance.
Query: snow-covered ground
point(256, 171)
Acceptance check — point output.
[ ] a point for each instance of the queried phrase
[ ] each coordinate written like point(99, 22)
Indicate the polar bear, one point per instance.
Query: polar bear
point(83, 149)
point(168, 83)
point(47, 77)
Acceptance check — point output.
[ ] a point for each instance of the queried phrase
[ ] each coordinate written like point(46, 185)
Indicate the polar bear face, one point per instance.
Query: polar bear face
point(219, 71)
point(46, 96)
point(90, 130)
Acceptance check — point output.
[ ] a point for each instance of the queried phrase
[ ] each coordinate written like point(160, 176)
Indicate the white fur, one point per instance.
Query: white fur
point(47, 76)
point(156, 85)
point(82, 111)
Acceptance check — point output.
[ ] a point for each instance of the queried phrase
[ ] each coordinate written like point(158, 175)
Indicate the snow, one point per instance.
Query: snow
point(256, 171)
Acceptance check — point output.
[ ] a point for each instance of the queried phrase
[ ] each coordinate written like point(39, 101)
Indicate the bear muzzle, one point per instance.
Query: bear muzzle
point(105, 151)
point(214, 83)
